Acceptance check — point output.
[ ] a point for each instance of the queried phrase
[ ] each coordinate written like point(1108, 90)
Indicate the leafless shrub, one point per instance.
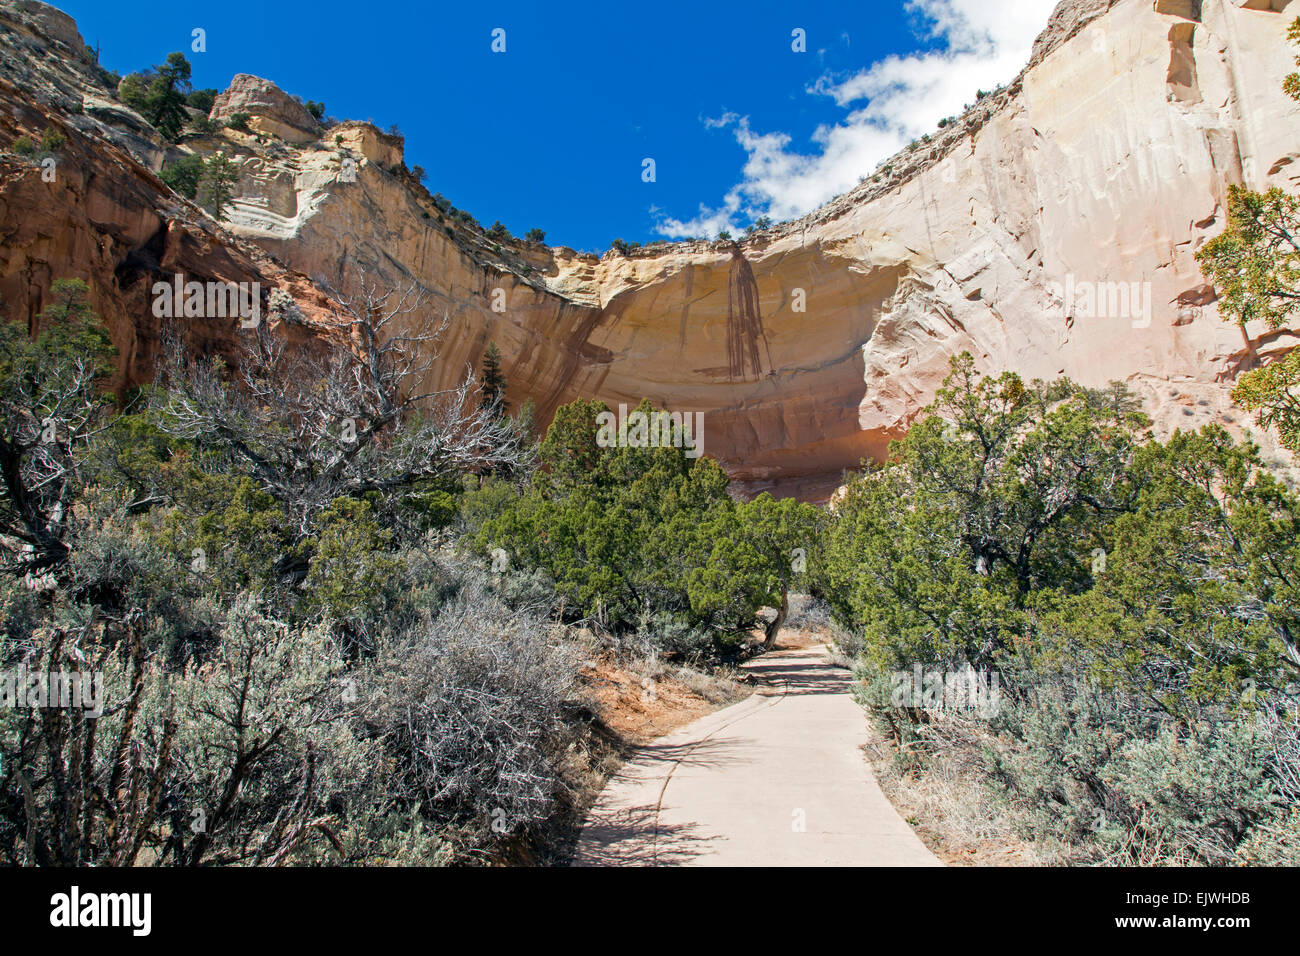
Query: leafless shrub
point(1282, 733)
point(359, 418)
point(808, 613)
point(469, 706)
point(51, 409)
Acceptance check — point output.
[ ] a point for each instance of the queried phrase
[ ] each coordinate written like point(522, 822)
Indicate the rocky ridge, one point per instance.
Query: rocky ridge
point(1101, 168)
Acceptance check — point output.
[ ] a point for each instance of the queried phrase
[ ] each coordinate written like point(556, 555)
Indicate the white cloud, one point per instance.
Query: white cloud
point(891, 103)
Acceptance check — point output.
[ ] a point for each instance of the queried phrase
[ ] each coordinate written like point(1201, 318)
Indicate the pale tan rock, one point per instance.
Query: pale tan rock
point(1104, 167)
point(270, 109)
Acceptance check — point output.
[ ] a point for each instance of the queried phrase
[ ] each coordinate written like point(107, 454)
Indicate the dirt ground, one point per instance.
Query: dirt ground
point(640, 708)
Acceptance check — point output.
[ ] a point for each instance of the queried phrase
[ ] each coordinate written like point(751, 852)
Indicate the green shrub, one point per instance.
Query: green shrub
point(202, 100)
point(1102, 577)
point(1273, 843)
point(52, 140)
point(352, 576)
point(183, 175)
point(624, 528)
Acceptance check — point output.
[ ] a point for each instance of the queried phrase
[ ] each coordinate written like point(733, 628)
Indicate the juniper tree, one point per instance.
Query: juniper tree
point(217, 185)
point(492, 382)
point(1255, 265)
point(52, 403)
point(633, 530)
point(184, 175)
point(159, 94)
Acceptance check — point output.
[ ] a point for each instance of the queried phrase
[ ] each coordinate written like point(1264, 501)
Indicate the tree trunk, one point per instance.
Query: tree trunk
point(769, 637)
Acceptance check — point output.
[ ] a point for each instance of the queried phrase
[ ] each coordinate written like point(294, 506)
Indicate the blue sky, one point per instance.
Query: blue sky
point(552, 132)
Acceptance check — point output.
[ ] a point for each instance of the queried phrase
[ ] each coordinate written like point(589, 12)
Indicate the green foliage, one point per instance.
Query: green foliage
point(627, 530)
point(202, 100)
point(492, 382)
point(352, 572)
point(159, 94)
point(217, 184)
point(1255, 261)
point(52, 140)
point(70, 333)
point(226, 531)
point(1273, 393)
point(183, 175)
point(1000, 490)
point(1136, 599)
point(1291, 85)
point(239, 121)
point(1206, 534)
point(1255, 266)
point(131, 90)
point(535, 235)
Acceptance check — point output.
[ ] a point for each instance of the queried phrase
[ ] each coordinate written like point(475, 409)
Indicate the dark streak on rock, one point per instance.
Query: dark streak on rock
point(744, 321)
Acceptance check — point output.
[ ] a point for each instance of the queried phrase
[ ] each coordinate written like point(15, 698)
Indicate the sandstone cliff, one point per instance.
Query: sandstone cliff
point(1051, 231)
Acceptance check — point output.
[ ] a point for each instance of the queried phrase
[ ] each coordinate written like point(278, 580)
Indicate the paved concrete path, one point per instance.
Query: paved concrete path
point(776, 780)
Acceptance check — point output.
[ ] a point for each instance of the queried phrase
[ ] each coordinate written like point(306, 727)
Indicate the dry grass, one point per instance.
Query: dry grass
point(948, 803)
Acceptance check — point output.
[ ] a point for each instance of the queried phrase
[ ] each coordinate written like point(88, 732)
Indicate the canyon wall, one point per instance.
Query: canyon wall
point(1051, 231)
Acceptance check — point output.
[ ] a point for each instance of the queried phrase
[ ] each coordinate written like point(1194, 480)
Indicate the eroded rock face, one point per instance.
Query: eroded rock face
point(99, 215)
point(270, 109)
point(1050, 231)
